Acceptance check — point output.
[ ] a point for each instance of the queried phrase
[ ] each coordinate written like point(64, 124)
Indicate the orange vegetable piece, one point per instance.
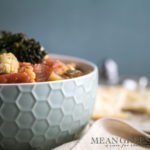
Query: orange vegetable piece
point(15, 78)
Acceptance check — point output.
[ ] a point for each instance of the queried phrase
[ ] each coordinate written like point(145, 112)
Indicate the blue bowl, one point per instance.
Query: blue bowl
point(45, 115)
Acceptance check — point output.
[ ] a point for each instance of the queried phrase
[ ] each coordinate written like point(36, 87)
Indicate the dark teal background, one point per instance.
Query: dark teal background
point(92, 29)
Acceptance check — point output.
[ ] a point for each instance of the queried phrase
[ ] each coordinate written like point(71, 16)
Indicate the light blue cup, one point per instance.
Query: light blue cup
point(45, 115)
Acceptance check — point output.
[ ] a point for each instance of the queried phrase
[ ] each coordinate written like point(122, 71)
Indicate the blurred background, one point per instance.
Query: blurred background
point(91, 29)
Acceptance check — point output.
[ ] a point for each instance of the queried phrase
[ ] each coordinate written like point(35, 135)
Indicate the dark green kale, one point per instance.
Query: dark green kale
point(25, 49)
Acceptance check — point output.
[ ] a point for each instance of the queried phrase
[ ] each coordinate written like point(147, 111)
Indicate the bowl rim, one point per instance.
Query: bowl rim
point(65, 57)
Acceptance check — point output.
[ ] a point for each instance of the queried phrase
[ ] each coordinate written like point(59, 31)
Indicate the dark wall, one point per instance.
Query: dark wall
point(92, 29)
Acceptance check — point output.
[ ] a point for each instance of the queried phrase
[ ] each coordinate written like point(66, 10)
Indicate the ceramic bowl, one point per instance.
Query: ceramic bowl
point(45, 115)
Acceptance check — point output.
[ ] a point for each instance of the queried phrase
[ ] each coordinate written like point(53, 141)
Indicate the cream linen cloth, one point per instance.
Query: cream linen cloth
point(109, 134)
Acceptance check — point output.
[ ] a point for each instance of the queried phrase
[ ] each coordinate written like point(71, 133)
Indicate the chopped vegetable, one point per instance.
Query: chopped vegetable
point(59, 67)
point(28, 68)
point(15, 78)
point(73, 73)
point(42, 72)
point(8, 63)
point(54, 76)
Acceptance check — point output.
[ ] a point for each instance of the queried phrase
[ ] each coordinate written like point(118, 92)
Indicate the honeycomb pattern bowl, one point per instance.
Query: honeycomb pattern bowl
point(45, 115)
